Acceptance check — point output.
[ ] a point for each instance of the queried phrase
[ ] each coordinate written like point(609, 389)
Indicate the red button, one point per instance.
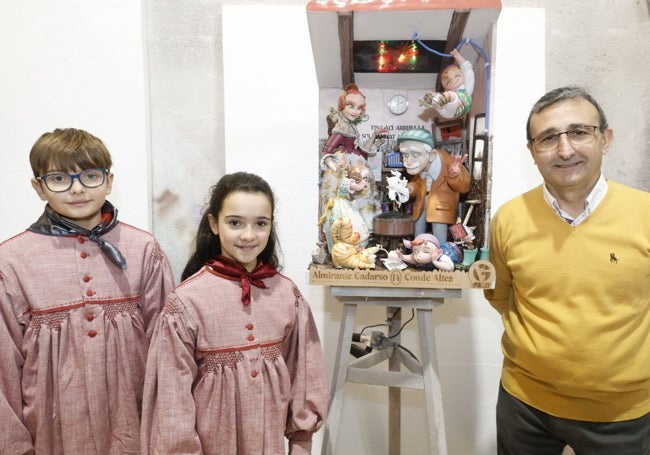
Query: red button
point(90, 317)
point(82, 240)
point(83, 255)
point(249, 326)
point(92, 334)
point(90, 292)
point(254, 373)
point(250, 338)
point(86, 278)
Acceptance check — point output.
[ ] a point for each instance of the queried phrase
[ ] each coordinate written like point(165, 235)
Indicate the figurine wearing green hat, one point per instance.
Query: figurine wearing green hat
point(439, 179)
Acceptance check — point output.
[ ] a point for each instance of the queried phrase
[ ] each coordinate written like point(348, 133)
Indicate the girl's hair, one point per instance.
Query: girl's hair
point(351, 89)
point(68, 149)
point(207, 244)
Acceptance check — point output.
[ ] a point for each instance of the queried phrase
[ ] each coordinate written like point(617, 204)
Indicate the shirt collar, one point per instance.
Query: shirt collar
point(433, 171)
point(594, 198)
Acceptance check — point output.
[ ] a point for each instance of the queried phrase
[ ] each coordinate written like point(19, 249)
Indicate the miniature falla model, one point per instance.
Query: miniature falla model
point(353, 184)
point(458, 84)
point(344, 148)
point(437, 181)
point(344, 252)
point(426, 252)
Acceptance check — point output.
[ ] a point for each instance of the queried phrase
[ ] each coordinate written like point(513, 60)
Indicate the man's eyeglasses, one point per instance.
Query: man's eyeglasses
point(580, 135)
point(58, 182)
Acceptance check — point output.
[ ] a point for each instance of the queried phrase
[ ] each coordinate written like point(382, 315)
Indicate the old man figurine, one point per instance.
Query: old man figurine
point(439, 179)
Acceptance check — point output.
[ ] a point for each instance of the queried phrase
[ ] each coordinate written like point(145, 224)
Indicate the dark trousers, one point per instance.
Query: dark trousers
point(524, 430)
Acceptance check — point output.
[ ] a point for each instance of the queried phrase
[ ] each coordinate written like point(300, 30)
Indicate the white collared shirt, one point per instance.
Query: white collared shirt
point(591, 202)
point(433, 171)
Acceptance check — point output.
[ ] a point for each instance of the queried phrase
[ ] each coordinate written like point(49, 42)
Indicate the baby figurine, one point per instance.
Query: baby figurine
point(458, 83)
point(345, 253)
point(426, 252)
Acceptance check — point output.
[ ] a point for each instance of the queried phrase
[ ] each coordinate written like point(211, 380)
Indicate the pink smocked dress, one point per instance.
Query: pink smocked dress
point(74, 330)
point(228, 377)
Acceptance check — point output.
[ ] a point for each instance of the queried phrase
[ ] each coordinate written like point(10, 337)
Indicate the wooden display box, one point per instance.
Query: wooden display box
point(480, 275)
point(335, 28)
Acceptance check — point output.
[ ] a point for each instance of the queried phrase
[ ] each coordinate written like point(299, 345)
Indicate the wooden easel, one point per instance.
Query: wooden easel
point(422, 375)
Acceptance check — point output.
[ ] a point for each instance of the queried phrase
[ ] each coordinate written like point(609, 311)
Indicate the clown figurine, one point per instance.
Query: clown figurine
point(426, 252)
point(458, 83)
point(438, 180)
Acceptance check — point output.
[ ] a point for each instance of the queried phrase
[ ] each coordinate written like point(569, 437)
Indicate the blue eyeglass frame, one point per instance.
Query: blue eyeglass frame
point(77, 176)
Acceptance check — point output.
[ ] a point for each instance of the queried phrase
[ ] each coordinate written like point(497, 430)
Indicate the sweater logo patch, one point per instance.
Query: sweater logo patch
point(612, 258)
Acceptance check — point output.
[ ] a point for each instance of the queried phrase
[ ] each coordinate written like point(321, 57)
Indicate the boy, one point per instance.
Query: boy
point(79, 294)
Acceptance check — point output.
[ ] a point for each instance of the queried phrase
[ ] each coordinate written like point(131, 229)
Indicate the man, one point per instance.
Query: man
point(572, 260)
point(438, 180)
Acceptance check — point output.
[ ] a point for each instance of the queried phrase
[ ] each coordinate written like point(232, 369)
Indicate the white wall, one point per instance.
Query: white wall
point(72, 64)
point(271, 106)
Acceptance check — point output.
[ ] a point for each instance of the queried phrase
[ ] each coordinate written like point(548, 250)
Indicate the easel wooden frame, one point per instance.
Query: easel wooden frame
point(422, 375)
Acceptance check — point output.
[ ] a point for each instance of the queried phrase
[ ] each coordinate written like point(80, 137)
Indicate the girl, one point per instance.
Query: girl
point(236, 362)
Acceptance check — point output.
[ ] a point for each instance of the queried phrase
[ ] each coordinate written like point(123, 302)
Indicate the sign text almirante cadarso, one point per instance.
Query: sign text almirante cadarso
point(480, 275)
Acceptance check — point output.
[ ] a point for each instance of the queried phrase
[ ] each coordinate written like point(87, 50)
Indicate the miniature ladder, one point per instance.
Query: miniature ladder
point(422, 376)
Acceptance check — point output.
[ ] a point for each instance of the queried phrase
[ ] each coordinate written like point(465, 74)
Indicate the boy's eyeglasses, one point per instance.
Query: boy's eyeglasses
point(58, 182)
point(580, 135)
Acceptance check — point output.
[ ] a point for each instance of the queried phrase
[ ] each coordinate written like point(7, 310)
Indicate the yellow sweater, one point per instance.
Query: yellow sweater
point(575, 304)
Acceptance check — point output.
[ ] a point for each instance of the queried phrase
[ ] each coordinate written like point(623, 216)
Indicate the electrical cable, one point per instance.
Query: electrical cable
point(358, 351)
point(372, 326)
point(403, 325)
point(409, 352)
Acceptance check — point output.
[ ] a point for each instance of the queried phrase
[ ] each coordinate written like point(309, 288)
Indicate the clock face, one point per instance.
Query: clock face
point(398, 104)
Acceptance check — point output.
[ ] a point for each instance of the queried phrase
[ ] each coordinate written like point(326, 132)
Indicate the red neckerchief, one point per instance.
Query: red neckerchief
point(231, 270)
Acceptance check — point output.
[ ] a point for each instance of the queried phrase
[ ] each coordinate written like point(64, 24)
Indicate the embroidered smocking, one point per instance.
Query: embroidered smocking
point(216, 360)
point(53, 320)
point(157, 252)
point(271, 352)
point(297, 295)
point(300, 436)
point(171, 307)
point(113, 309)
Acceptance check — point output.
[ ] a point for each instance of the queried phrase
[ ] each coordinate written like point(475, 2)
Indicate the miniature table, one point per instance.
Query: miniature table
point(422, 375)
